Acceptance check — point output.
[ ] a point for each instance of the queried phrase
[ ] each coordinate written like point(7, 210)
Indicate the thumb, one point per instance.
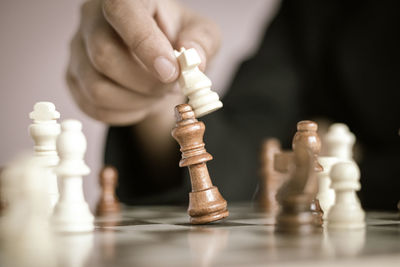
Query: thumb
point(201, 34)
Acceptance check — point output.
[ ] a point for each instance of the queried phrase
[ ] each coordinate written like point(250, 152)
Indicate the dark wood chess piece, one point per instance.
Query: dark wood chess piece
point(307, 135)
point(296, 195)
point(108, 203)
point(270, 179)
point(205, 202)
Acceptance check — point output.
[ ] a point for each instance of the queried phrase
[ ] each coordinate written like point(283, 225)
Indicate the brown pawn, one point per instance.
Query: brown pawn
point(108, 203)
point(307, 135)
point(205, 202)
point(270, 179)
point(296, 195)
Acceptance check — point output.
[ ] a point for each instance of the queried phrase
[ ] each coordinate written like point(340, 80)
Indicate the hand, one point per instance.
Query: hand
point(122, 67)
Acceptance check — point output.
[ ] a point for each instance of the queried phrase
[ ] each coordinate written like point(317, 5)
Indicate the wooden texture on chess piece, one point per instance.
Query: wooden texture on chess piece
point(270, 179)
point(307, 135)
point(206, 204)
point(108, 203)
point(296, 195)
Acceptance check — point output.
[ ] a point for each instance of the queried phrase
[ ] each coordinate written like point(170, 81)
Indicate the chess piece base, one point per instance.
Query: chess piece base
point(209, 217)
point(299, 222)
point(104, 208)
point(70, 218)
point(207, 206)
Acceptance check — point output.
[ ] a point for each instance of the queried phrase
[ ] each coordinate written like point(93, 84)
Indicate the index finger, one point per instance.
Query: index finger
point(135, 24)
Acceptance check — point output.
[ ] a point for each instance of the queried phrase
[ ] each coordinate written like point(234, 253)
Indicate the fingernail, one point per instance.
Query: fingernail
point(164, 68)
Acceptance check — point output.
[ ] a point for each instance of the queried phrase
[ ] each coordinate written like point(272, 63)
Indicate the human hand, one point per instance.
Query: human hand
point(122, 67)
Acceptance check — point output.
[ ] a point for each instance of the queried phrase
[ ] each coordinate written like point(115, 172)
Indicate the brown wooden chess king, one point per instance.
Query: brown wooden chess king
point(205, 202)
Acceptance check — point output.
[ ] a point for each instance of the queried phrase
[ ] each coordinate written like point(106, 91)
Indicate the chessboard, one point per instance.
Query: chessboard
point(163, 236)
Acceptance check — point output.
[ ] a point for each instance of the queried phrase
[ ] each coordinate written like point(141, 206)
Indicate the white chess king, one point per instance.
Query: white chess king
point(195, 84)
point(346, 213)
point(44, 131)
point(72, 214)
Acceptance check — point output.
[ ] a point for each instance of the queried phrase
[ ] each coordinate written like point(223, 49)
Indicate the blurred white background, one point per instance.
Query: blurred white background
point(34, 53)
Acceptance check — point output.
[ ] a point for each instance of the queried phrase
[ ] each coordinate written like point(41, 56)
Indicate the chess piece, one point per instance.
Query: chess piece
point(71, 213)
point(108, 203)
point(307, 135)
point(205, 202)
point(346, 213)
point(24, 224)
point(44, 131)
point(195, 84)
point(326, 195)
point(296, 195)
point(339, 142)
point(271, 180)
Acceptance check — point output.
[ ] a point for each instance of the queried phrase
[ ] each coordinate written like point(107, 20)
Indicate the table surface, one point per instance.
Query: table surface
point(162, 236)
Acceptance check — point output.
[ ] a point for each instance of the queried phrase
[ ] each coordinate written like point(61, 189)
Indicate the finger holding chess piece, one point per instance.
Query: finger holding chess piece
point(108, 203)
point(206, 204)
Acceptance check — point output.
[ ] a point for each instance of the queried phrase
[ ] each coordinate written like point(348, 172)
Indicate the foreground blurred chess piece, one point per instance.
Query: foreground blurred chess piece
point(25, 238)
point(205, 202)
point(296, 195)
point(270, 179)
point(44, 131)
point(195, 84)
point(345, 243)
point(71, 213)
point(74, 250)
point(108, 203)
point(326, 195)
point(346, 213)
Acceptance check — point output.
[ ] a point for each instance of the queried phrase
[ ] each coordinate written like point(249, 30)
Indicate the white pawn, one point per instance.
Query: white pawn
point(72, 214)
point(44, 131)
point(346, 212)
point(326, 195)
point(339, 142)
point(195, 84)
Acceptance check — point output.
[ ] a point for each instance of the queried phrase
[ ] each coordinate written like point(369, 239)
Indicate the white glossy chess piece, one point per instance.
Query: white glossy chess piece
point(195, 84)
point(346, 213)
point(25, 239)
point(339, 142)
point(326, 195)
point(44, 131)
point(71, 213)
